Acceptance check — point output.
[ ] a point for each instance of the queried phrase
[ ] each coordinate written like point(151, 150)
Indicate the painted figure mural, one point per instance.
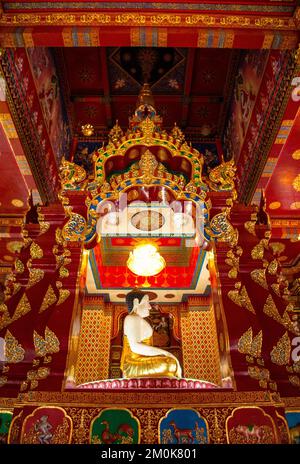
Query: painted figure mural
point(183, 426)
point(114, 426)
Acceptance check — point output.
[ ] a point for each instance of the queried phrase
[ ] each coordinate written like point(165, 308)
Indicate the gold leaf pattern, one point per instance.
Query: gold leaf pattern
point(281, 352)
point(35, 275)
point(14, 352)
point(19, 266)
point(35, 251)
point(250, 227)
point(64, 293)
point(256, 345)
point(259, 276)
point(49, 299)
point(235, 297)
point(63, 272)
point(276, 289)
point(52, 342)
point(273, 266)
point(245, 300)
point(271, 310)
point(22, 308)
point(244, 344)
point(39, 344)
point(258, 251)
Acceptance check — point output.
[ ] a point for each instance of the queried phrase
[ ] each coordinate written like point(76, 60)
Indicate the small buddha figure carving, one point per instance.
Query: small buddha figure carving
point(139, 357)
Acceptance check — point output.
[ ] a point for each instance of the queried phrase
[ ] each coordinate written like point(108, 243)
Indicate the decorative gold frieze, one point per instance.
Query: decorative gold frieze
point(49, 299)
point(14, 352)
point(259, 373)
point(259, 276)
point(273, 266)
point(35, 251)
point(281, 352)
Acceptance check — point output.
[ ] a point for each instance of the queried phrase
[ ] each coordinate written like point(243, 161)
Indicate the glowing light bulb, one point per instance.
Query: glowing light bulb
point(145, 260)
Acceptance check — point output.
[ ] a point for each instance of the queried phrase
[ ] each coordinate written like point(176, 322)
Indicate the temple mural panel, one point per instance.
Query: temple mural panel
point(115, 426)
point(46, 426)
point(183, 426)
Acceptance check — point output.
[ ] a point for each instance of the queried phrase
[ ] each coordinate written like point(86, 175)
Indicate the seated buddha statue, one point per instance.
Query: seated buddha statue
point(139, 357)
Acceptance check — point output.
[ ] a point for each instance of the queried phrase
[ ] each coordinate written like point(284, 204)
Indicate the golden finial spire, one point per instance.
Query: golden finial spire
point(145, 97)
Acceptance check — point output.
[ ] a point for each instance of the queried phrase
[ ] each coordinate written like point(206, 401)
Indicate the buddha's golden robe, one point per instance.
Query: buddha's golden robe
point(136, 365)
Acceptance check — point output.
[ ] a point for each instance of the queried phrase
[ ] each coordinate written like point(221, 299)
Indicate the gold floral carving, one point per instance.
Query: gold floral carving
point(14, 352)
point(273, 266)
point(271, 310)
point(3, 380)
point(281, 352)
point(58, 236)
point(63, 272)
point(49, 299)
point(74, 230)
point(22, 308)
point(35, 251)
point(71, 175)
point(35, 275)
point(222, 177)
point(259, 276)
point(149, 419)
point(19, 266)
point(148, 164)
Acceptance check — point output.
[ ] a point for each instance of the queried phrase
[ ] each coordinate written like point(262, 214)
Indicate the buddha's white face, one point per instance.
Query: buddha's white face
point(143, 307)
